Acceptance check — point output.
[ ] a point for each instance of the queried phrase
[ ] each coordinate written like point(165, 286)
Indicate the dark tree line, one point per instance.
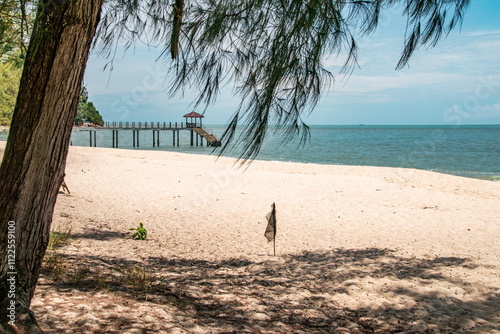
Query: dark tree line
point(86, 109)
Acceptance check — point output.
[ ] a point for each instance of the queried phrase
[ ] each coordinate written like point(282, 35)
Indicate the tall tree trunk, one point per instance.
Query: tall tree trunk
point(33, 165)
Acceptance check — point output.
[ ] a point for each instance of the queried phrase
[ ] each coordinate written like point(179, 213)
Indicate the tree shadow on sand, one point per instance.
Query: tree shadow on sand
point(96, 234)
point(341, 291)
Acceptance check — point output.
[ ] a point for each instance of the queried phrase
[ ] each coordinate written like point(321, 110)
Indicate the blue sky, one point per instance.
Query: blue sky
point(457, 82)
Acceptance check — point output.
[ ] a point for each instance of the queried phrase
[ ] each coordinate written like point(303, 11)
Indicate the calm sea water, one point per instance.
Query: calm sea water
point(471, 151)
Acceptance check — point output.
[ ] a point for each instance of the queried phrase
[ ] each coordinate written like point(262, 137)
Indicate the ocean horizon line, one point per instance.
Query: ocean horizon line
point(360, 124)
point(4, 128)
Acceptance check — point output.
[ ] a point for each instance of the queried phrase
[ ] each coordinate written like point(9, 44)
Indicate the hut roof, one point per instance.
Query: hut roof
point(194, 114)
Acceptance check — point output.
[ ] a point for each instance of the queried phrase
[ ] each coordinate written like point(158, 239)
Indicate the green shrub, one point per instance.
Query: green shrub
point(140, 232)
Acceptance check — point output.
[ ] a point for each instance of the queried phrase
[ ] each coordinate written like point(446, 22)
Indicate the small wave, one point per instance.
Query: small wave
point(495, 178)
point(472, 174)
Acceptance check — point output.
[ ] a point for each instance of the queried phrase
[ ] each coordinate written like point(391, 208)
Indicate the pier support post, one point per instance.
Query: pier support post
point(178, 137)
point(157, 141)
point(115, 138)
point(197, 135)
point(192, 137)
point(173, 133)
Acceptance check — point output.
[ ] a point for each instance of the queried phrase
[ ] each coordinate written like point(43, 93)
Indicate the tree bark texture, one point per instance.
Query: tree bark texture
point(34, 160)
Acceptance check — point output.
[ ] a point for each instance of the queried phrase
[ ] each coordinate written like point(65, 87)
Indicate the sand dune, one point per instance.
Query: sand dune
point(360, 249)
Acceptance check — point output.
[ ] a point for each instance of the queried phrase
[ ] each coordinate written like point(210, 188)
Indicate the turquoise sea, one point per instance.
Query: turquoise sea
point(471, 151)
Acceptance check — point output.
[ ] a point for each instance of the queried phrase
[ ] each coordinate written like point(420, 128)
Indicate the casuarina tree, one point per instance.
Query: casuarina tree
point(271, 51)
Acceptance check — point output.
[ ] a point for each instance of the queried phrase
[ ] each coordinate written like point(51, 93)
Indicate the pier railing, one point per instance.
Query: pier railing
point(138, 125)
point(143, 126)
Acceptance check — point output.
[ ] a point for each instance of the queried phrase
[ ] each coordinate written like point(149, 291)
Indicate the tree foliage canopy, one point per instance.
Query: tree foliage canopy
point(16, 23)
point(13, 27)
point(10, 76)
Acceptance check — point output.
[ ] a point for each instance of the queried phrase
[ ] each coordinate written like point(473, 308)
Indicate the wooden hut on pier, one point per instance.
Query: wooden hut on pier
point(193, 120)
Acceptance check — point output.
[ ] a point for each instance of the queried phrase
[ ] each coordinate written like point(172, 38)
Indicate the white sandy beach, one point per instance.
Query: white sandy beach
point(360, 249)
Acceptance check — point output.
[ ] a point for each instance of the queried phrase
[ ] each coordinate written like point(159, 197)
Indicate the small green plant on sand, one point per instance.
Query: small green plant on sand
point(140, 232)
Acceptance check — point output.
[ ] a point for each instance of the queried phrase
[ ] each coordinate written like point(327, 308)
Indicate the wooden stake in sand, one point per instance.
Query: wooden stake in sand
point(271, 227)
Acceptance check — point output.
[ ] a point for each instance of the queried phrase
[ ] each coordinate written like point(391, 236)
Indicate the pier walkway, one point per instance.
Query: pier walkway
point(197, 132)
point(211, 140)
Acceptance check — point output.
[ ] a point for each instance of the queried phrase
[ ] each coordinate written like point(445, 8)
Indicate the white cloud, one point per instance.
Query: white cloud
point(487, 111)
point(359, 84)
point(483, 33)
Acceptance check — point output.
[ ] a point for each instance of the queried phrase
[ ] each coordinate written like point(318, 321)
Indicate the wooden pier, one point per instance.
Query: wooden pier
point(197, 132)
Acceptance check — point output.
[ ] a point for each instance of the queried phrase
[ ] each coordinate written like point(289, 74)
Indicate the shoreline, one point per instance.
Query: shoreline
point(493, 178)
point(360, 249)
point(439, 149)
